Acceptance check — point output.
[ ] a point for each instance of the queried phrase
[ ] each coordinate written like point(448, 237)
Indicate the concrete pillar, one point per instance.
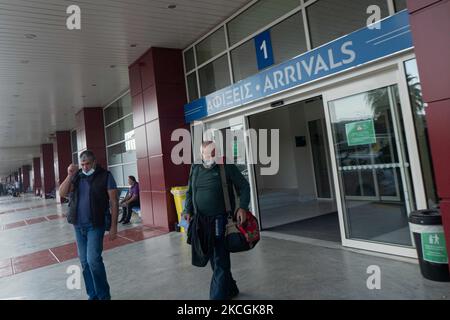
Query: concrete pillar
point(91, 133)
point(63, 156)
point(430, 25)
point(47, 168)
point(37, 176)
point(26, 178)
point(19, 176)
point(158, 95)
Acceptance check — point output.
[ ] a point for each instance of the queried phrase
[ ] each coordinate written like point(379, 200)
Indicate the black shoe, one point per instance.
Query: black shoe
point(126, 222)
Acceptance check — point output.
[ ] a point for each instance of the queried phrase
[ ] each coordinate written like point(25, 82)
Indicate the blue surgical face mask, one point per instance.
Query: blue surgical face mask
point(89, 172)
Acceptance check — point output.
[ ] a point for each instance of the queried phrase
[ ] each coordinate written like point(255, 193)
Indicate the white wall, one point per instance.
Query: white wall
point(296, 167)
point(286, 177)
point(302, 155)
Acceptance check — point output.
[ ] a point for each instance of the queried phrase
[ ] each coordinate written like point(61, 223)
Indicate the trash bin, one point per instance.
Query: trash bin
point(179, 195)
point(426, 226)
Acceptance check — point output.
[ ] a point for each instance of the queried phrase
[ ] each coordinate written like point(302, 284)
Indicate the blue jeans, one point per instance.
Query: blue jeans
point(223, 286)
point(90, 247)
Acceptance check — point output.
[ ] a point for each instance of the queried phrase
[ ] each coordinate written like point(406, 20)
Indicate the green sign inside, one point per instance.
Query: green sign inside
point(433, 247)
point(360, 132)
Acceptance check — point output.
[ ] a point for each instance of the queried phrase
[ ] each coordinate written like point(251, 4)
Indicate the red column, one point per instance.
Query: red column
point(19, 176)
point(91, 133)
point(158, 95)
point(37, 176)
point(430, 25)
point(47, 168)
point(26, 178)
point(63, 155)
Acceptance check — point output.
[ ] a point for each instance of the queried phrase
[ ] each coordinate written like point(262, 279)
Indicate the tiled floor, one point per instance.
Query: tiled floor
point(28, 244)
point(145, 263)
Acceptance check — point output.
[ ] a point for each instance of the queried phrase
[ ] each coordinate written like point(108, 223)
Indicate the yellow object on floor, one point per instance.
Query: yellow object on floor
point(179, 195)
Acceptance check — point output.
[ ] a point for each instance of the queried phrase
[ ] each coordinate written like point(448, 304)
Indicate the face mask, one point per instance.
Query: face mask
point(208, 163)
point(89, 172)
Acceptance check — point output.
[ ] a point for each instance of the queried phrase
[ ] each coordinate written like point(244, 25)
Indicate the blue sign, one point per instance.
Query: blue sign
point(355, 49)
point(264, 52)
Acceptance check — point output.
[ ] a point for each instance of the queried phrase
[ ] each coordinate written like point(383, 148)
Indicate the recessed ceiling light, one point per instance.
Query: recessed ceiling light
point(133, 45)
point(172, 6)
point(30, 36)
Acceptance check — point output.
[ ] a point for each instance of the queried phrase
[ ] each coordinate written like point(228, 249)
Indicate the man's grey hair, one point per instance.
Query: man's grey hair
point(206, 144)
point(87, 155)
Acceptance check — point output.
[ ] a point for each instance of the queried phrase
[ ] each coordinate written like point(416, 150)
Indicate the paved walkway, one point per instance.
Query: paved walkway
point(145, 263)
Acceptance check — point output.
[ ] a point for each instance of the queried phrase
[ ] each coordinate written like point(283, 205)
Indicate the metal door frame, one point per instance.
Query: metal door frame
point(366, 83)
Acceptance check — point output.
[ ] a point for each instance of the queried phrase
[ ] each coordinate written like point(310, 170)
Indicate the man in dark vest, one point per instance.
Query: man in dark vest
point(93, 209)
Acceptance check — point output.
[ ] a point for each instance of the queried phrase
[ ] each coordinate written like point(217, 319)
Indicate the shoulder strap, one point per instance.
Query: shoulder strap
point(226, 194)
point(193, 178)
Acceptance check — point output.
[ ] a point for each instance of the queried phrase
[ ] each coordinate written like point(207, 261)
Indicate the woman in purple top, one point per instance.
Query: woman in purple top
point(131, 200)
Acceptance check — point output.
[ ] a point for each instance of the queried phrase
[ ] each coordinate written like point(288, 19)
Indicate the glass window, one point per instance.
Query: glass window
point(419, 109)
point(192, 86)
point(120, 138)
point(130, 170)
point(257, 16)
point(400, 5)
point(130, 151)
point(118, 109)
point(122, 130)
point(122, 153)
point(214, 76)
point(331, 19)
point(115, 154)
point(117, 173)
point(213, 45)
point(189, 59)
point(243, 59)
point(288, 38)
point(114, 133)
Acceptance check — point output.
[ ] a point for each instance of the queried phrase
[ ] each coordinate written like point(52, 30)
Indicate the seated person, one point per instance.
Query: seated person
point(131, 200)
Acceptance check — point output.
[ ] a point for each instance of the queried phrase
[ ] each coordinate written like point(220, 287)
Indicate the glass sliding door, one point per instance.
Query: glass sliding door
point(372, 172)
point(371, 164)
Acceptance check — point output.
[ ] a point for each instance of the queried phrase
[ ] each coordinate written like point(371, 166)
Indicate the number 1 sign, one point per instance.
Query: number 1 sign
point(264, 52)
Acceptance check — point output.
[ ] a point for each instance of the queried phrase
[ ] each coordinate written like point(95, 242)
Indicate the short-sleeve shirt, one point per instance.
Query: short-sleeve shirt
point(84, 200)
point(134, 190)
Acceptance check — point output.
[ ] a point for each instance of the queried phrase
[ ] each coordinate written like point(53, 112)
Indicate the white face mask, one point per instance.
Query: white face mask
point(89, 172)
point(208, 163)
